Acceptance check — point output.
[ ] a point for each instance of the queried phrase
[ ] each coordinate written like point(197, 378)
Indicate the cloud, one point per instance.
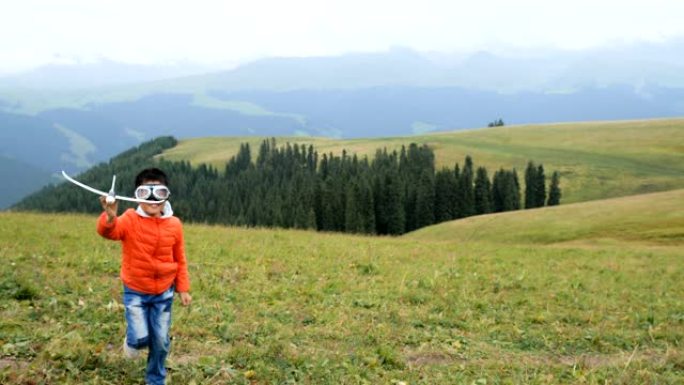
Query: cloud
point(154, 31)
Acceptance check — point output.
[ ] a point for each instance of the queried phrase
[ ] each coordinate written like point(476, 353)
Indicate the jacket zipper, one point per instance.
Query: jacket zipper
point(156, 261)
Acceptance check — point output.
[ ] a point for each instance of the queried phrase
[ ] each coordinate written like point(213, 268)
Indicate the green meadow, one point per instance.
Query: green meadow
point(588, 293)
point(596, 160)
point(654, 217)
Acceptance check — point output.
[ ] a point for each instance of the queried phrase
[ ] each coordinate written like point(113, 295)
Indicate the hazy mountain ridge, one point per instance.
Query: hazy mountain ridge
point(635, 64)
point(20, 179)
point(96, 74)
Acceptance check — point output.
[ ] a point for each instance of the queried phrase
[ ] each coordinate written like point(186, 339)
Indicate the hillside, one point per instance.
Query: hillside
point(596, 159)
point(279, 306)
point(655, 218)
point(21, 179)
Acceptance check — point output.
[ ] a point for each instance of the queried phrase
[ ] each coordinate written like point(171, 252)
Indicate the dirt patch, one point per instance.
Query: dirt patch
point(429, 358)
point(190, 355)
point(13, 363)
point(183, 359)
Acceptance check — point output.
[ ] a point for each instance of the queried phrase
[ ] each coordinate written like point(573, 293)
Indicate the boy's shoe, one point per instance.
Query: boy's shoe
point(130, 352)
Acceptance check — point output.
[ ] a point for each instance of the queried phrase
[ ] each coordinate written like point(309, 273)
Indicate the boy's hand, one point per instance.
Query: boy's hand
point(185, 298)
point(110, 208)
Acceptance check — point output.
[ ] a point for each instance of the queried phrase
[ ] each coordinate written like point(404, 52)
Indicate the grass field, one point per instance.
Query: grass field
point(512, 298)
point(656, 217)
point(596, 160)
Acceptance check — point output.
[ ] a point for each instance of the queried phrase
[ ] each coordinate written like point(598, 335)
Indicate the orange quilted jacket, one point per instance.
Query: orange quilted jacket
point(153, 255)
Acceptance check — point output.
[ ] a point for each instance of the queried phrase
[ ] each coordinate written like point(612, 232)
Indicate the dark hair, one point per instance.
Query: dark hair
point(151, 174)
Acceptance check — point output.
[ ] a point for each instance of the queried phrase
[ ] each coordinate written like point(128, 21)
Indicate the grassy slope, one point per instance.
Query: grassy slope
point(279, 306)
point(656, 217)
point(596, 159)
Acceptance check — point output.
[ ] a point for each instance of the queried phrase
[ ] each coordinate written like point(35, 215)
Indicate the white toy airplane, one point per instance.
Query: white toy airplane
point(111, 195)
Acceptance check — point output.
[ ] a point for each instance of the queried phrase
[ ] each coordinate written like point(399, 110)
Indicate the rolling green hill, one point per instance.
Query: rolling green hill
point(534, 296)
point(596, 159)
point(655, 218)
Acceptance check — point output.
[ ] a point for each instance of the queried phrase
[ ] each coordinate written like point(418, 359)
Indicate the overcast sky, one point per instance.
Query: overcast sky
point(220, 33)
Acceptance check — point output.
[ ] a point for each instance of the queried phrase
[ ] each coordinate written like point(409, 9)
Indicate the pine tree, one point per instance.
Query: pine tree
point(554, 190)
point(367, 207)
point(482, 192)
point(540, 188)
point(456, 203)
point(515, 190)
point(396, 216)
point(410, 206)
point(530, 186)
point(505, 191)
point(379, 204)
point(353, 219)
point(425, 200)
point(327, 215)
point(239, 163)
point(264, 153)
point(466, 197)
point(499, 191)
point(444, 195)
point(324, 170)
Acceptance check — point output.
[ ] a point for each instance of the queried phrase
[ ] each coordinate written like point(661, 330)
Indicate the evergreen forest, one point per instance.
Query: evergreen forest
point(293, 186)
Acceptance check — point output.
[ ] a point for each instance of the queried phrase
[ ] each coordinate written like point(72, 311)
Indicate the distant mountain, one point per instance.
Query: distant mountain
point(631, 65)
point(659, 64)
point(383, 111)
point(18, 180)
point(97, 74)
point(32, 140)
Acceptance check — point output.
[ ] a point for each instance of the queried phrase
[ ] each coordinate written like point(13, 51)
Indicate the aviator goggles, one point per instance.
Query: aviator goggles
point(157, 192)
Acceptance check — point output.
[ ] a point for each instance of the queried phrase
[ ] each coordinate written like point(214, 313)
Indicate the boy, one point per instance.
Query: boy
point(153, 266)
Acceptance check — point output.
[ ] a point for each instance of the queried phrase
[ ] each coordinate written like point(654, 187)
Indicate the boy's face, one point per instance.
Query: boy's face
point(152, 209)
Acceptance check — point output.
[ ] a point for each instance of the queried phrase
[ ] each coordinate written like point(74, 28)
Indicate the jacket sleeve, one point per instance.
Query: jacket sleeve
point(115, 230)
point(182, 278)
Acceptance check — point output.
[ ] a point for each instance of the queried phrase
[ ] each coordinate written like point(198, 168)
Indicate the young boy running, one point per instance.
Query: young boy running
point(153, 266)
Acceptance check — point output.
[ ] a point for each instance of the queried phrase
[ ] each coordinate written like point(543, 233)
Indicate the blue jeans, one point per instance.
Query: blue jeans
point(148, 319)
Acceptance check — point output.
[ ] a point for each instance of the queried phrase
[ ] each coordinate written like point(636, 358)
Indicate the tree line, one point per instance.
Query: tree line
point(293, 186)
